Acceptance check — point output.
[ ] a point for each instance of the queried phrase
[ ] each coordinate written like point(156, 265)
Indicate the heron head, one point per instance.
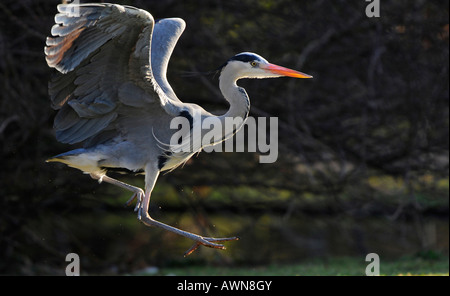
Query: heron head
point(251, 65)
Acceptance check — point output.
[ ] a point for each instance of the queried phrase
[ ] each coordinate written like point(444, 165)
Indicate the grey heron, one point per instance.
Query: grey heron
point(113, 96)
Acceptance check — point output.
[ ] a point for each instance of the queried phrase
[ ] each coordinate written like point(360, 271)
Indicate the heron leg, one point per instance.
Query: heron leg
point(144, 217)
point(138, 192)
point(199, 240)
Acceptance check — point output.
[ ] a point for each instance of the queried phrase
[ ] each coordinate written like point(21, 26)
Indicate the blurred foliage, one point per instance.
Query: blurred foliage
point(367, 137)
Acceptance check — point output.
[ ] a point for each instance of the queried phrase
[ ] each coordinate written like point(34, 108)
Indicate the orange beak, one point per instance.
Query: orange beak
point(285, 71)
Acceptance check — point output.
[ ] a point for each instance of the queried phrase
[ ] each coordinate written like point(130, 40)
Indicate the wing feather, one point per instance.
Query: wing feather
point(92, 51)
point(165, 36)
point(108, 56)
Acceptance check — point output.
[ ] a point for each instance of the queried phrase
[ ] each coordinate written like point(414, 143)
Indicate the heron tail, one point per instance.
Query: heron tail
point(82, 159)
point(65, 156)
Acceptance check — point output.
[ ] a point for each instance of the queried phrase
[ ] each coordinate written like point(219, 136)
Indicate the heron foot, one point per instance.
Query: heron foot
point(210, 244)
point(199, 240)
point(139, 196)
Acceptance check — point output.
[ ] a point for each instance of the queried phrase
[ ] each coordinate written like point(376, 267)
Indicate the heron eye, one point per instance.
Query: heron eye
point(253, 63)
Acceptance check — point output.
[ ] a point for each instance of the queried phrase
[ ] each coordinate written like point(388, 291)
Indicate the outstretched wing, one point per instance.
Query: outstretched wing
point(102, 52)
point(165, 36)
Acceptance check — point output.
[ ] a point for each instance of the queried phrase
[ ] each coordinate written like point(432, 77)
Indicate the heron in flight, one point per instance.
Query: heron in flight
point(113, 96)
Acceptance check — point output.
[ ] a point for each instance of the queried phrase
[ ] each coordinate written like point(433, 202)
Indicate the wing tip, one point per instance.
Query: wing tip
point(179, 21)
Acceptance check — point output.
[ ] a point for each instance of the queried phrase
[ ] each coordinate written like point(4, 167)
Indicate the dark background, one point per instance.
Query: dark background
point(363, 147)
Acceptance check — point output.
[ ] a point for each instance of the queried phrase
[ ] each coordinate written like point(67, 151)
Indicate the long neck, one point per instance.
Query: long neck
point(237, 98)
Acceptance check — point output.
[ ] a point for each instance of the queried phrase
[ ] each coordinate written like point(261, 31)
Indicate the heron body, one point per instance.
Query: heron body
point(113, 96)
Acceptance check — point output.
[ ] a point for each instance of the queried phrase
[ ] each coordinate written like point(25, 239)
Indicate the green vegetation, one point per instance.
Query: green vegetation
point(331, 267)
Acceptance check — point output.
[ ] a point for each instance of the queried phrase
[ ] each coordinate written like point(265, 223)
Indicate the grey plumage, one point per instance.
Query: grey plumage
point(99, 62)
point(112, 95)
